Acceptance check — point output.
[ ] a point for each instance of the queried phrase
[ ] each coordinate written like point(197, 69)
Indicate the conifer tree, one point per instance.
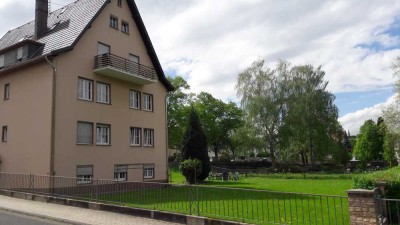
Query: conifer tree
point(195, 144)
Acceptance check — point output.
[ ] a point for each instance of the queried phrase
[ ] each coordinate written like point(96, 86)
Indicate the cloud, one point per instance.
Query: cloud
point(219, 39)
point(353, 121)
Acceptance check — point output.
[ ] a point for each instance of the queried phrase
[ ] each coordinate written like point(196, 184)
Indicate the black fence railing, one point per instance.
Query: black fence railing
point(388, 211)
point(117, 62)
point(243, 205)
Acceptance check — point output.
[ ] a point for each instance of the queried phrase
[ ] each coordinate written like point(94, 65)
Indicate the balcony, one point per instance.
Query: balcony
point(120, 68)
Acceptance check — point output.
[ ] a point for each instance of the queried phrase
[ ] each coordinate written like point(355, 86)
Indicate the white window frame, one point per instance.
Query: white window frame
point(124, 27)
point(148, 137)
point(135, 138)
point(114, 22)
point(134, 99)
point(148, 102)
point(4, 134)
point(91, 134)
point(7, 91)
point(148, 171)
point(103, 93)
point(85, 89)
point(121, 173)
point(84, 178)
point(103, 134)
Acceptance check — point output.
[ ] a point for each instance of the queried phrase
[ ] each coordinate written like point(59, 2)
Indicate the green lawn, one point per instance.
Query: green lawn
point(324, 184)
point(269, 199)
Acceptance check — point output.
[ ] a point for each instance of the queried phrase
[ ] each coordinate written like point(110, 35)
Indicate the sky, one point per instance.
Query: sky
point(210, 42)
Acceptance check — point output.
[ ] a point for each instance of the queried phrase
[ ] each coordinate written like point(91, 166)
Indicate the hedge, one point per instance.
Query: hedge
point(370, 181)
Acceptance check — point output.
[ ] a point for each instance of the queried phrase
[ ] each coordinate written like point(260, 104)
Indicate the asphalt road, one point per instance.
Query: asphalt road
point(10, 218)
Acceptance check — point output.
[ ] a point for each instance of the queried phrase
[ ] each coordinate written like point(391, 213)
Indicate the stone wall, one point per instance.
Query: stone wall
point(362, 207)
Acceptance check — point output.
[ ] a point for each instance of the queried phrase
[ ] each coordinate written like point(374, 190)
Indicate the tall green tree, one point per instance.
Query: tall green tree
point(194, 145)
point(263, 93)
point(387, 142)
point(178, 108)
point(368, 144)
point(220, 120)
point(310, 123)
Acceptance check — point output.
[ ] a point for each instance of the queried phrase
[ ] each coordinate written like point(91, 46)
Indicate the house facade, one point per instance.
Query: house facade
point(84, 95)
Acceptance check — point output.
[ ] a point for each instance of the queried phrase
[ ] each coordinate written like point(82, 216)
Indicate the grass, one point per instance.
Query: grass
point(250, 206)
point(298, 183)
point(258, 200)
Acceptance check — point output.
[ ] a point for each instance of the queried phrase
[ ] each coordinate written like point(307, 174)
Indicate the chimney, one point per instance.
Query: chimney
point(41, 14)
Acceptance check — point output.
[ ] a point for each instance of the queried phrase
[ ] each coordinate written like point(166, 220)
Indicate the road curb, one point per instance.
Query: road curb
point(41, 216)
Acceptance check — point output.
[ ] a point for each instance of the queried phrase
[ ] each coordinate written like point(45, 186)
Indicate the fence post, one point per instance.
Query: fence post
point(363, 207)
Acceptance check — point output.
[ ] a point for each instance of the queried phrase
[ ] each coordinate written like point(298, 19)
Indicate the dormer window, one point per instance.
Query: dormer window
point(1, 61)
point(20, 51)
point(114, 22)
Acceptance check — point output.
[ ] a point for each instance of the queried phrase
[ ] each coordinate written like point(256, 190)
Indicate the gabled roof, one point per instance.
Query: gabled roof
point(68, 24)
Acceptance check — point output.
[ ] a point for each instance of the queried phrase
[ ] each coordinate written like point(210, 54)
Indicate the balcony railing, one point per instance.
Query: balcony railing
point(121, 68)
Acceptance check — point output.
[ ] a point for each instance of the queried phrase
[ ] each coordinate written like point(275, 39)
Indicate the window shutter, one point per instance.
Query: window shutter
point(85, 131)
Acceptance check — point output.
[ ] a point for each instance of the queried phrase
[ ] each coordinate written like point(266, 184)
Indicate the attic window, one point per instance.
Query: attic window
point(119, 3)
point(19, 53)
point(1, 61)
point(114, 22)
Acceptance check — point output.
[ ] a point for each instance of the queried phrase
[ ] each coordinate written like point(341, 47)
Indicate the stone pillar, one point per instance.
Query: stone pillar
point(362, 207)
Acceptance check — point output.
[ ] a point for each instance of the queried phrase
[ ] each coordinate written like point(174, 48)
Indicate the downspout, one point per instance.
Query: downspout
point(53, 117)
point(166, 135)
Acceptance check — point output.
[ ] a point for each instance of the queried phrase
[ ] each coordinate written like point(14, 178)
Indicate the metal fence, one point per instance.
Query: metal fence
point(244, 205)
point(388, 211)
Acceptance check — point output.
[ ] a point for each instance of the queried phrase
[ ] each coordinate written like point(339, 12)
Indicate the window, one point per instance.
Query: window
point(20, 51)
point(125, 27)
point(120, 173)
point(134, 58)
point(1, 61)
point(119, 3)
point(85, 89)
point(102, 134)
point(4, 134)
point(148, 102)
point(114, 22)
point(134, 100)
point(148, 171)
point(135, 136)
point(102, 49)
point(84, 133)
point(103, 93)
point(7, 91)
point(148, 137)
point(84, 174)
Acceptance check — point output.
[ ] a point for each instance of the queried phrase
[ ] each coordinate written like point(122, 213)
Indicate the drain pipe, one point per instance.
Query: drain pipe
point(53, 117)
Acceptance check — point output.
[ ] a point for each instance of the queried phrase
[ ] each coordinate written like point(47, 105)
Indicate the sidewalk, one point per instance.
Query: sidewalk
point(73, 215)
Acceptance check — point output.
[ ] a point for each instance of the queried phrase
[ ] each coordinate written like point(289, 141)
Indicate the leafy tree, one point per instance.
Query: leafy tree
point(194, 145)
point(244, 141)
point(178, 109)
point(368, 144)
point(220, 120)
point(387, 141)
point(310, 123)
point(263, 94)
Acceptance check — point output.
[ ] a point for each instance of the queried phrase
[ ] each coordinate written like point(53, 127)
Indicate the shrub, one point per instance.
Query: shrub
point(370, 181)
point(191, 169)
